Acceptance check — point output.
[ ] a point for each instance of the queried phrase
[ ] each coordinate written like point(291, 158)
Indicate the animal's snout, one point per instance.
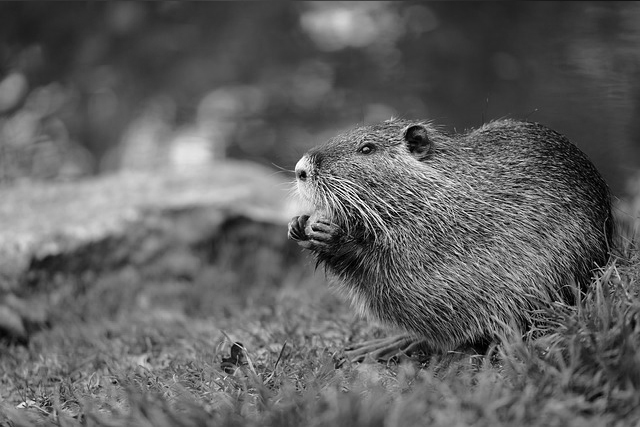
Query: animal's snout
point(303, 168)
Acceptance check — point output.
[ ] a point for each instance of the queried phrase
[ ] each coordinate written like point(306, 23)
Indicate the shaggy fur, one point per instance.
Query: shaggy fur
point(452, 238)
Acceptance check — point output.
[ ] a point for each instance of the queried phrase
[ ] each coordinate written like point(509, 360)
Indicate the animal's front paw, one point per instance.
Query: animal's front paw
point(316, 235)
point(321, 235)
point(296, 228)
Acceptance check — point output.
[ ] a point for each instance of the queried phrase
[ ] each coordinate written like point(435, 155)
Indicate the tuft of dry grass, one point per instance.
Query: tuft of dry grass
point(109, 363)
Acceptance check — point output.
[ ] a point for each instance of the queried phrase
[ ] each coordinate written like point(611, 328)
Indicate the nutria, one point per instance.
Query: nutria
point(451, 238)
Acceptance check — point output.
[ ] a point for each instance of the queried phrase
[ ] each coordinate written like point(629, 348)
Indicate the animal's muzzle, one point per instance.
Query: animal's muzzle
point(303, 168)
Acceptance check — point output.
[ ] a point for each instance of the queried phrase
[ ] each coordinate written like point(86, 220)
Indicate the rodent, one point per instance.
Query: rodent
point(451, 237)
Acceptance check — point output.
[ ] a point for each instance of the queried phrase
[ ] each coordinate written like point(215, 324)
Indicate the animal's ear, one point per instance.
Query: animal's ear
point(418, 141)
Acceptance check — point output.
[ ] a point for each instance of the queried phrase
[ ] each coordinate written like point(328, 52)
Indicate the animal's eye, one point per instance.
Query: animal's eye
point(367, 148)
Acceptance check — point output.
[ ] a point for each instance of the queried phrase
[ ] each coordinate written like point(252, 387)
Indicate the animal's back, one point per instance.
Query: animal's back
point(549, 191)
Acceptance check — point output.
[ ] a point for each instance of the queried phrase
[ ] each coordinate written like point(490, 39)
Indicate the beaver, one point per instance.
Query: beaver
point(453, 238)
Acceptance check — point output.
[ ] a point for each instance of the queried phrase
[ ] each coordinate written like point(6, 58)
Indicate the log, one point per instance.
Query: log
point(58, 237)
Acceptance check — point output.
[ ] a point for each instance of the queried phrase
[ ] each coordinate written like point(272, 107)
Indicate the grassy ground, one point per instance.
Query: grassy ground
point(147, 351)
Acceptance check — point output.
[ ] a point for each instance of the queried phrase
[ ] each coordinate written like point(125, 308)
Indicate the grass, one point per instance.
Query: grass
point(129, 352)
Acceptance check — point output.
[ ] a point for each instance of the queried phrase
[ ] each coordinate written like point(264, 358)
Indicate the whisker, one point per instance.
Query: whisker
point(281, 169)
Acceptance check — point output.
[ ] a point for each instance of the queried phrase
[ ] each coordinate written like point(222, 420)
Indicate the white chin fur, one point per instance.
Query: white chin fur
point(304, 205)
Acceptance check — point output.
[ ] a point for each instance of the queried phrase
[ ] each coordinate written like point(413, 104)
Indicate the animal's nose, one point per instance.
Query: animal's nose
point(302, 169)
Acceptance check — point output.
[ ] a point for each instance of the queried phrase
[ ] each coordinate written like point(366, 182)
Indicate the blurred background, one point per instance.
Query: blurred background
point(89, 88)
